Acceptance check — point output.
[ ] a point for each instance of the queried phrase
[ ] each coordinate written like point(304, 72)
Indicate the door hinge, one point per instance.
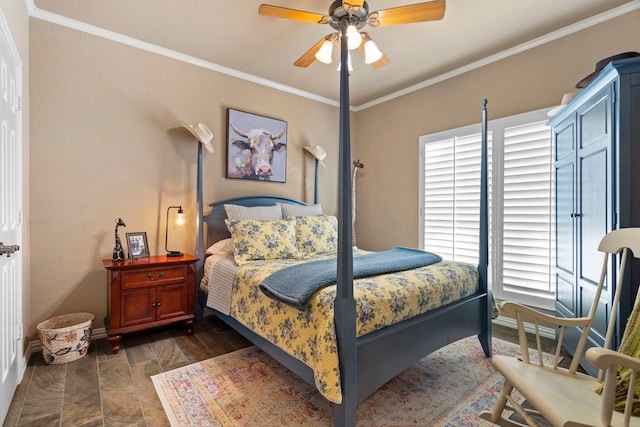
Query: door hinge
point(18, 103)
point(19, 332)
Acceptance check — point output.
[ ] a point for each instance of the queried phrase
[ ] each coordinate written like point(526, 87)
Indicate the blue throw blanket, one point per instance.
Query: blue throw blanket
point(294, 285)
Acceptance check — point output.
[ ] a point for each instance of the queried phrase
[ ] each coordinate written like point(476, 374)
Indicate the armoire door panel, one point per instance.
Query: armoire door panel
point(594, 123)
point(565, 142)
point(594, 222)
point(565, 296)
point(565, 217)
point(601, 319)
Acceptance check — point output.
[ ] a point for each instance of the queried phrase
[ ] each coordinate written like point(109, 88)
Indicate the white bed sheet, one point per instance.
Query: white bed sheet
point(219, 273)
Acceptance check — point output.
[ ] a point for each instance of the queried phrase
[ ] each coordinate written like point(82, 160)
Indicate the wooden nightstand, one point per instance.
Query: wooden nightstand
point(149, 292)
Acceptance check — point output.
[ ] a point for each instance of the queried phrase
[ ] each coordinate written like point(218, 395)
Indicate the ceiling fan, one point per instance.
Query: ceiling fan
point(356, 14)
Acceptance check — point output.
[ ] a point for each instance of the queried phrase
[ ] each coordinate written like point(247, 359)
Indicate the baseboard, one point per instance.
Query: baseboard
point(508, 322)
point(511, 323)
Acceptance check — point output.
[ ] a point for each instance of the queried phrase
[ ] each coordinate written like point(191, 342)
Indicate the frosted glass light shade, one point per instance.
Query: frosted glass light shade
point(324, 54)
point(371, 52)
point(354, 38)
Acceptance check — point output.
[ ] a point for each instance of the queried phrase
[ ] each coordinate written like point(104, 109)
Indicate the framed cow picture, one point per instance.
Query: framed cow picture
point(256, 147)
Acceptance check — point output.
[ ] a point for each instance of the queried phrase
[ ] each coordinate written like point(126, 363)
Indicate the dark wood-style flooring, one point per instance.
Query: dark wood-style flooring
point(106, 389)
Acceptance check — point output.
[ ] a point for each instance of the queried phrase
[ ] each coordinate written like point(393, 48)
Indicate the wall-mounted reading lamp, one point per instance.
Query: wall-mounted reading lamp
point(179, 222)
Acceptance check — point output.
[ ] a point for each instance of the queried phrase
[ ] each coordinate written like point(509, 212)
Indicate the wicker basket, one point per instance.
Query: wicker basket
point(65, 338)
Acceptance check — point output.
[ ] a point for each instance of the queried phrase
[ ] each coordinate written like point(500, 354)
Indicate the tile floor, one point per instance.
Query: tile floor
point(105, 389)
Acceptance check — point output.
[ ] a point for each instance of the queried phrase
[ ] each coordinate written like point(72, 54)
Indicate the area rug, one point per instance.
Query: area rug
point(248, 388)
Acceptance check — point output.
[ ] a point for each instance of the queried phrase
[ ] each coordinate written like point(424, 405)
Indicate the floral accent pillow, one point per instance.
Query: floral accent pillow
point(317, 234)
point(260, 240)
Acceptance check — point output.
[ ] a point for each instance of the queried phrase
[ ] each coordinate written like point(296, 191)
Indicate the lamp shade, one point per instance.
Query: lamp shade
point(354, 38)
point(179, 223)
point(324, 54)
point(371, 52)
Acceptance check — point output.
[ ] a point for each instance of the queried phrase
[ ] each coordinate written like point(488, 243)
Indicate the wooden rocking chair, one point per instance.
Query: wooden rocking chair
point(565, 397)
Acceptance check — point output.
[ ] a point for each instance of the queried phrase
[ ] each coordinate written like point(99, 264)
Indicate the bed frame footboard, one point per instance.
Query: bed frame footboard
point(383, 354)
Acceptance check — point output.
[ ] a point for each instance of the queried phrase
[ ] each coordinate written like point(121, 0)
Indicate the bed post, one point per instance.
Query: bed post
point(344, 414)
point(483, 261)
point(200, 302)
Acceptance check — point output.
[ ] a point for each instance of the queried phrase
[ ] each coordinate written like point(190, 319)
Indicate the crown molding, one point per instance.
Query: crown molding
point(74, 24)
point(554, 35)
point(35, 12)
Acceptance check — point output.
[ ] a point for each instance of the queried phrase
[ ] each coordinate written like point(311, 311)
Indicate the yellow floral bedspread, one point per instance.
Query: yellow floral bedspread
point(380, 301)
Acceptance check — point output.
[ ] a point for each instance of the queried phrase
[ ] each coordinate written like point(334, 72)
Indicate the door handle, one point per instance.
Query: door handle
point(9, 250)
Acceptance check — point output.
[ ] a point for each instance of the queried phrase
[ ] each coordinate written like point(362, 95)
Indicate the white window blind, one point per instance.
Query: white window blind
point(520, 202)
point(528, 209)
point(452, 197)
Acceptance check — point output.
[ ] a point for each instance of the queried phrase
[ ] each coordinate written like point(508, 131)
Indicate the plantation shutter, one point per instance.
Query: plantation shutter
point(452, 197)
point(528, 209)
point(521, 203)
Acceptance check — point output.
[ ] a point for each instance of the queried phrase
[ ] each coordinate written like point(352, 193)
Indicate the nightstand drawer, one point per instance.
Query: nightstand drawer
point(153, 276)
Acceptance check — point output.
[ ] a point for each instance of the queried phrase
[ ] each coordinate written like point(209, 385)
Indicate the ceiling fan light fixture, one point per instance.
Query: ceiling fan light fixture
point(349, 66)
point(354, 38)
point(324, 54)
point(371, 52)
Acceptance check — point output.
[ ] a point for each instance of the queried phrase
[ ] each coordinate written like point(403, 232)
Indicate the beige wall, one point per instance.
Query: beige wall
point(15, 13)
point(387, 134)
point(106, 143)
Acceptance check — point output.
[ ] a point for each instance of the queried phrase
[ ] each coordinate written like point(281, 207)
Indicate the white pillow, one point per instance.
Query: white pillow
point(221, 247)
point(256, 213)
point(298, 210)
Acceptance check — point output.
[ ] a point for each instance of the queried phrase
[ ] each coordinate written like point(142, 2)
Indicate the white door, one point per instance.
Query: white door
point(11, 368)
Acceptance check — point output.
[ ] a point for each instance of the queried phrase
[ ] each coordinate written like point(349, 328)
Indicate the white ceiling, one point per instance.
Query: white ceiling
point(231, 34)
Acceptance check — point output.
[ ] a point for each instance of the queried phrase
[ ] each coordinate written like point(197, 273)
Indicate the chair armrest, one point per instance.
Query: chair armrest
point(603, 358)
point(529, 315)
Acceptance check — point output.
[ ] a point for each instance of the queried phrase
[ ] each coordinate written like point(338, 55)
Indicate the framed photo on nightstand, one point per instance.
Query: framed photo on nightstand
point(137, 245)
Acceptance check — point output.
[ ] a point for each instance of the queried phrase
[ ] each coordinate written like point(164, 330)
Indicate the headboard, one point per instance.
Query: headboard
point(217, 229)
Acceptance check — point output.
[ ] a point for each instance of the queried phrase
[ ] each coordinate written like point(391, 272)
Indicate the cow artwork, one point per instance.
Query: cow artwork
point(256, 147)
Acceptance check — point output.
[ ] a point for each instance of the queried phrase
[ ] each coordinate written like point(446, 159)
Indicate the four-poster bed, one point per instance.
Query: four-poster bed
point(365, 362)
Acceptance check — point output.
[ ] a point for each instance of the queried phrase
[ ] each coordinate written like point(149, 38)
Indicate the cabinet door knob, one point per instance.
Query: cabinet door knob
point(150, 276)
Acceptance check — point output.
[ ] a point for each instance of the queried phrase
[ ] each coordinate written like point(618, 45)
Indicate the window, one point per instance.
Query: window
point(521, 201)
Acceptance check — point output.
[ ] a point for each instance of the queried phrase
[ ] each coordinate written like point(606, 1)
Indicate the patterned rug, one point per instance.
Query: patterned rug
point(246, 388)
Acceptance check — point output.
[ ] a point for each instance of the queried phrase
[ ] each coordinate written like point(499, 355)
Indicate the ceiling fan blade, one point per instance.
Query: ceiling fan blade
point(420, 12)
point(381, 62)
point(310, 55)
point(296, 15)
